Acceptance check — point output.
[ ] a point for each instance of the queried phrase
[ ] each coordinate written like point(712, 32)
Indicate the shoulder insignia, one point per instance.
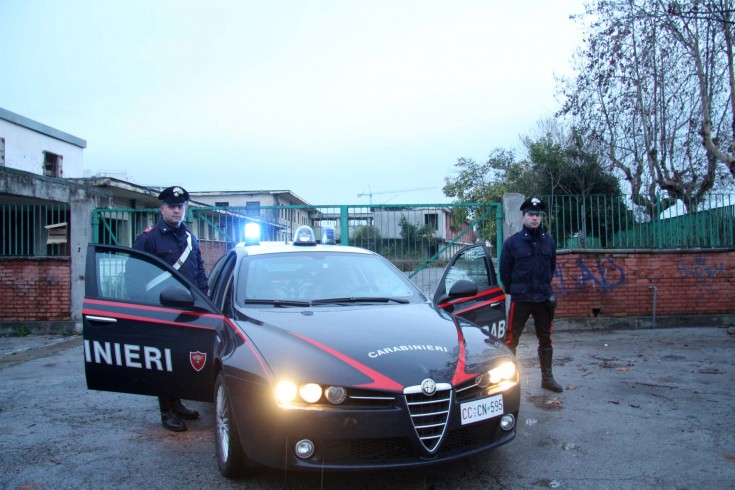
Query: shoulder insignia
point(147, 230)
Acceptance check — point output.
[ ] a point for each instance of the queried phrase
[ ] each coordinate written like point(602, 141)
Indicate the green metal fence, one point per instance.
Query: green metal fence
point(414, 237)
point(614, 222)
point(34, 230)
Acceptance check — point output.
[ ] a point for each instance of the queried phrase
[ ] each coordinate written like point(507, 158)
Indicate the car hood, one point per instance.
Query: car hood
point(384, 347)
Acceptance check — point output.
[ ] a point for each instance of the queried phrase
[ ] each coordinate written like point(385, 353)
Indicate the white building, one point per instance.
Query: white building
point(280, 211)
point(33, 147)
point(45, 224)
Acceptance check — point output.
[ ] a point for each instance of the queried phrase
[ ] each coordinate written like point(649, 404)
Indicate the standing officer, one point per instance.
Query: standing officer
point(170, 241)
point(527, 264)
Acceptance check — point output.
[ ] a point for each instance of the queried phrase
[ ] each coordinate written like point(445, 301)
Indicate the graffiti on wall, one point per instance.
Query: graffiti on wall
point(704, 270)
point(604, 274)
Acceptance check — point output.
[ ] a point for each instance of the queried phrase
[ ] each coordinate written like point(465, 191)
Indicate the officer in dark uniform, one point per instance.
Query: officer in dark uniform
point(170, 240)
point(527, 264)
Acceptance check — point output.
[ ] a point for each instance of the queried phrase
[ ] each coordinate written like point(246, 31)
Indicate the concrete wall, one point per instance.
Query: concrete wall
point(26, 140)
point(512, 217)
point(236, 199)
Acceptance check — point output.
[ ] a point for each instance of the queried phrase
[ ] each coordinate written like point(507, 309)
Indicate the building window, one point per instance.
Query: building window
point(2, 152)
point(252, 208)
point(221, 204)
point(25, 230)
point(52, 164)
point(432, 220)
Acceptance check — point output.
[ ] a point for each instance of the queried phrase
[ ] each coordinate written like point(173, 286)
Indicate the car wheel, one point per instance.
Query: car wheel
point(230, 455)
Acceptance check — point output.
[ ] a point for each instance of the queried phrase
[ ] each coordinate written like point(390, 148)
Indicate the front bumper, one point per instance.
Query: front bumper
point(360, 439)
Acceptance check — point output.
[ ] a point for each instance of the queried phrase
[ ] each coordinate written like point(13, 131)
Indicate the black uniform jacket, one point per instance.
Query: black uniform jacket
point(169, 244)
point(527, 264)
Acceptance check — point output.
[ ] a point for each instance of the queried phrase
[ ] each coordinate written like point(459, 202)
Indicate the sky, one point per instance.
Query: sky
point(340, 102)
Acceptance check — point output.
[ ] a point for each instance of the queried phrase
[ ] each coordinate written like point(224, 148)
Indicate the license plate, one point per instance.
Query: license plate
point(479, 410)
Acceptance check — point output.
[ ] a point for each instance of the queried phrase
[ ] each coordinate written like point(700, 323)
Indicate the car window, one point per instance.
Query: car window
point(216, 271)
point(124, 277)
point(470, 264)
point(220, 278)
point(312, 276)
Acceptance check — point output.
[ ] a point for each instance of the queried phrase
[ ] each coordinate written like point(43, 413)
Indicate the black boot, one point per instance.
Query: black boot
point(182, 411)
point(169, 419)
point(171, 422)
point(547, 379)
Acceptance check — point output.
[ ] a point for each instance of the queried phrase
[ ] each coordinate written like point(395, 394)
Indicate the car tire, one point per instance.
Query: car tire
point(230, 454)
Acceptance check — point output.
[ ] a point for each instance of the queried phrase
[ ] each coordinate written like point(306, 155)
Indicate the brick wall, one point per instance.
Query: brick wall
point(587, 284)
point(35, 289)
point(211, 252)
point(623, 284)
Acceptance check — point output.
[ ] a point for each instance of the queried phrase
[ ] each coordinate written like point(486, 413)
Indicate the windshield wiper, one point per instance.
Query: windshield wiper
point(359, 299)
point(278, 303)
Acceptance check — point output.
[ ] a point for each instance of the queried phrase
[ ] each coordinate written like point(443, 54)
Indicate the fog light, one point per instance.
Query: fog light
point(507, 421)
point(304, 449)
point(336, 394)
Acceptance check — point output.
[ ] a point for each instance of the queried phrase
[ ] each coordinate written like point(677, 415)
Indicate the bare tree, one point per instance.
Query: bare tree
point(649, 88)
point(705, 31)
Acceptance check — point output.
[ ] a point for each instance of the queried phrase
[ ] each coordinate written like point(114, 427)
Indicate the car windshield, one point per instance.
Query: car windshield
point(321, 278)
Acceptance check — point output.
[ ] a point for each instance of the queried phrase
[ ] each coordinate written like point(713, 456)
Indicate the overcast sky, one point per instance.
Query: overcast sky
point(328, 99)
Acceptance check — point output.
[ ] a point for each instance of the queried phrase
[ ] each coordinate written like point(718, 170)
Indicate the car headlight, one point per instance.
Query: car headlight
point(289, 393)
point(286, 392)
point(310, 392)
point(506, 372)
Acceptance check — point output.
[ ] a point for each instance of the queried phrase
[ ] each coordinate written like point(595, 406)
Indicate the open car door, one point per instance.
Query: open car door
point(469, 289)
point(146, 329)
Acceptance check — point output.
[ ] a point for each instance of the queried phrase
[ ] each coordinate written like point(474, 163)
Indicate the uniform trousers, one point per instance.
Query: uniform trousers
point(518, 315)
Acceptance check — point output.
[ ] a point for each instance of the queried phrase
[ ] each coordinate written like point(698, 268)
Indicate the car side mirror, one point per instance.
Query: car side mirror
point(460, 289)
point(176, 297)
point(463, 288)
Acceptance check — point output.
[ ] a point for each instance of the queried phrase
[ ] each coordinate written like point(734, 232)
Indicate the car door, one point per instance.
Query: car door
point(146, 329)
point(485, 305)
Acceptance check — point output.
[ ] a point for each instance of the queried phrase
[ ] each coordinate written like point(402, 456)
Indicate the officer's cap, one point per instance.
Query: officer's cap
point(174, 195)
point(533, 204)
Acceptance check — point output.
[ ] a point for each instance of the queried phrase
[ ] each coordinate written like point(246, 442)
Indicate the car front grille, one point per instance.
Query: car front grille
point(358, 398)
point(366, 452)
point(429, 413)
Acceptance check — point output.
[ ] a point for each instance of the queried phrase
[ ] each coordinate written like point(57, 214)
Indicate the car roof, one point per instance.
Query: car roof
point(282, 247)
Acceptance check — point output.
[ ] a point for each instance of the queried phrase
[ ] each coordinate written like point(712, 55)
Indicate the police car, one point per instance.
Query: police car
point(316, 356)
